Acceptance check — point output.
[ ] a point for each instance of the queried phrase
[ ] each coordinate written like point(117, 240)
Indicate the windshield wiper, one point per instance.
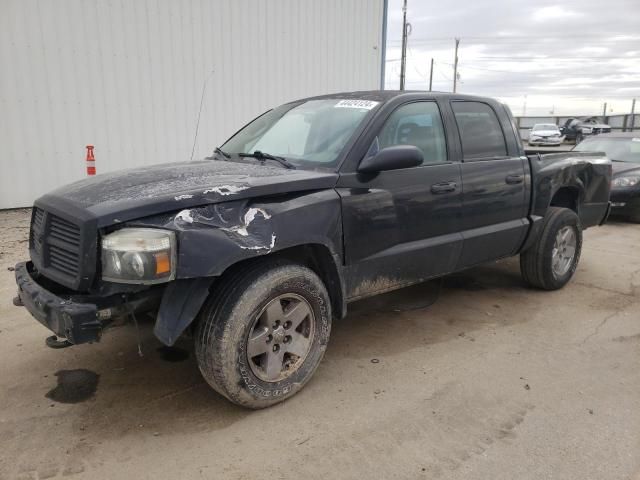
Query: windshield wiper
point(219, 151)
point(267, 156)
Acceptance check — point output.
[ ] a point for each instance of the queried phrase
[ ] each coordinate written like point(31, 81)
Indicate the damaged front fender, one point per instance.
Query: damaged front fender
point(214, 237)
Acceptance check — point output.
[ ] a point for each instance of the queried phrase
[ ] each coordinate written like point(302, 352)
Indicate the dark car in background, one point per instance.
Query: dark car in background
point(575, 129)
point(623, 149)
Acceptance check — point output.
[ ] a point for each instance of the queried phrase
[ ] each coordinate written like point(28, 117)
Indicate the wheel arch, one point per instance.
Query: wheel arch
point(567, 197)
point(183, 299)
point(317, 257)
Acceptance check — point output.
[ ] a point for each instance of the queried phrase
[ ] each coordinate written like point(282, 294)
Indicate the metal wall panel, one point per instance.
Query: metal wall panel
point(127, 77)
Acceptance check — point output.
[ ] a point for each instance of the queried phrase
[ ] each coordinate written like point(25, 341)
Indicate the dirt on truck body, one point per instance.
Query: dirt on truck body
point(314, 204)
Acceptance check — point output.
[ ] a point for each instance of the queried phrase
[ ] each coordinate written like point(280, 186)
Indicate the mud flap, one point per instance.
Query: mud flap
point(180, 304)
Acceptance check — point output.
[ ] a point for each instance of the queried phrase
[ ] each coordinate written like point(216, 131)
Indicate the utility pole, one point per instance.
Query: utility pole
point(633, 114)
point(431, 76)
point(604, 112)
point(403, 59)
point(455, 66)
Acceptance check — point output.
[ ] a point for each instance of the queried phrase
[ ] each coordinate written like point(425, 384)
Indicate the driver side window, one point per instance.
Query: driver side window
point(418, 124)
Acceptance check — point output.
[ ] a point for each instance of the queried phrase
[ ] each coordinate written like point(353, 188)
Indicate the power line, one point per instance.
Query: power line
point(553, 58)
point(547, 38)
point(443, 75)
point(414, 64)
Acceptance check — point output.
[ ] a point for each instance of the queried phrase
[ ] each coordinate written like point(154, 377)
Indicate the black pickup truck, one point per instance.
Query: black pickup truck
point(319, 202)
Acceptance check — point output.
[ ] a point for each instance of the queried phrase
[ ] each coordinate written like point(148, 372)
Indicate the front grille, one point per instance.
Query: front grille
point(65, 232)
point(56, 246)
point(63, 260)
point(37, 228)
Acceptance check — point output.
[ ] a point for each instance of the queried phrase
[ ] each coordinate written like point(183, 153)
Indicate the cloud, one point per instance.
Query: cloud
point(554, 12)
point(580, 55)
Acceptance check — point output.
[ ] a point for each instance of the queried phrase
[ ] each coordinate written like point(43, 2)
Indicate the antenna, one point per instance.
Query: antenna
point(204, 88)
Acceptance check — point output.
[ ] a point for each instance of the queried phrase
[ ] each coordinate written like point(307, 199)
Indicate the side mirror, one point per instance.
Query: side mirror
point(392, 158)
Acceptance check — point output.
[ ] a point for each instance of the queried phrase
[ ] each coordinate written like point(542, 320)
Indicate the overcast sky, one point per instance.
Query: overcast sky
point(568, 57)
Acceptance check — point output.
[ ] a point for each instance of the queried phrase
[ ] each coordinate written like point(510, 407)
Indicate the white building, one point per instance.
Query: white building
point(127, 76)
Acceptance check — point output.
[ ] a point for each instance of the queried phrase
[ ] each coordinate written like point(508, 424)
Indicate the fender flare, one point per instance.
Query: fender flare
point(180, 304)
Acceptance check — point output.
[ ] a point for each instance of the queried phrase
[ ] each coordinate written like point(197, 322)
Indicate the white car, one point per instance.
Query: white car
point(545, 134)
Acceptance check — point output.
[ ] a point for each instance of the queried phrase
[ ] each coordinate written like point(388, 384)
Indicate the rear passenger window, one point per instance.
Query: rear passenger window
point(480, 131)
point(418, 124)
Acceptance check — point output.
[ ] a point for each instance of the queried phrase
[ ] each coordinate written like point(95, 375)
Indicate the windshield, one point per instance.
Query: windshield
point(619, 149)
point(312, 133)
point(545, 126)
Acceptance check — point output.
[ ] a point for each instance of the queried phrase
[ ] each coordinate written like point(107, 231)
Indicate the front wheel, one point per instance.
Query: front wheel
point(263, 333)
point(552, 260)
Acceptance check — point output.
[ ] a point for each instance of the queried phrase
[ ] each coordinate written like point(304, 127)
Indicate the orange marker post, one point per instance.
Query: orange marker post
point(91, 161)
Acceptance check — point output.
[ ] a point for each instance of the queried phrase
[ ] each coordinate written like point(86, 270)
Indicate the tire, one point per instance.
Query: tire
point(537, 263)
point(252, 306)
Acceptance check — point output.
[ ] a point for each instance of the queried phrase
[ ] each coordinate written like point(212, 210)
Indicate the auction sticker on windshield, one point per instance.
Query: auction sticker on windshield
point(366, 104)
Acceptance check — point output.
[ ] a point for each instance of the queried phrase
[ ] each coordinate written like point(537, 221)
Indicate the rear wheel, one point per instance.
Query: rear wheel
point(262, 335)
point(552, 260)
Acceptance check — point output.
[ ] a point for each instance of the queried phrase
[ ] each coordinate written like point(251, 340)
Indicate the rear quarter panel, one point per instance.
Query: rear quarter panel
point(587, 173)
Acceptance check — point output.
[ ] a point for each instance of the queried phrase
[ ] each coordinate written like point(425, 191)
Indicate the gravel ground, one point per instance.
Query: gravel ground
point(473, 377)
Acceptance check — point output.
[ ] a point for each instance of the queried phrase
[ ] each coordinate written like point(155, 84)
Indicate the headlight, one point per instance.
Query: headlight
point(139, 255)
point(626, 181)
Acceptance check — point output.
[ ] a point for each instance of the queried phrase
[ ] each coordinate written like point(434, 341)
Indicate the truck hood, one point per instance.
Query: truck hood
point(135, 193)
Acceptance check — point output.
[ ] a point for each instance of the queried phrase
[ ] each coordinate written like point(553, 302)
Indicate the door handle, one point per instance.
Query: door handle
point(514, 179)
point(444, 187)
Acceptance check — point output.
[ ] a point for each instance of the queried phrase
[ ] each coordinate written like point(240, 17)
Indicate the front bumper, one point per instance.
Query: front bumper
point(625, 201)
point(545, 141)
point(606, 215)
point(78, 318)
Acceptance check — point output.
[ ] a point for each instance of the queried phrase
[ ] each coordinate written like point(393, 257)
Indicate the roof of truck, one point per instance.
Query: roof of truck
point(386, 95)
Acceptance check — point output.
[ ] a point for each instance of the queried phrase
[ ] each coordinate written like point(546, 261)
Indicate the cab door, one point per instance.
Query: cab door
point(402, 226)
point(494, 201)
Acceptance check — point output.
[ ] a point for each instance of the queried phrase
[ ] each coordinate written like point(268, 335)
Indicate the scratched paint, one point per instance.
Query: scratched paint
point(225, 189)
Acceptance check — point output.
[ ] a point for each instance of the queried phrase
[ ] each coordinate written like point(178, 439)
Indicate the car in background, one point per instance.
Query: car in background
point(575, 129)
point(623, 149)
point(545, 134)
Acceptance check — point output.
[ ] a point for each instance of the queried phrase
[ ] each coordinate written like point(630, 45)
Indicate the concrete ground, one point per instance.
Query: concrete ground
point(482, 378)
